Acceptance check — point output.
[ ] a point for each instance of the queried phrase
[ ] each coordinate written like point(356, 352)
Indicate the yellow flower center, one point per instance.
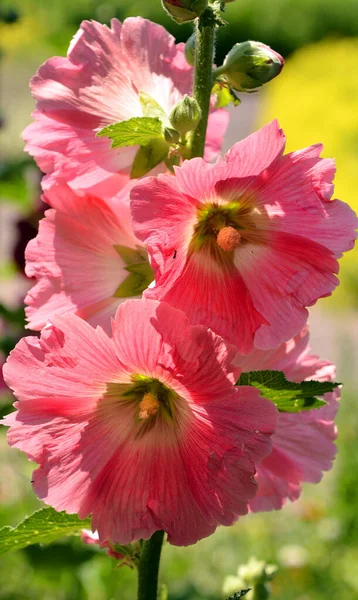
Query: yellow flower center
point(228, 238)
point(148, 407)
point(223, 227)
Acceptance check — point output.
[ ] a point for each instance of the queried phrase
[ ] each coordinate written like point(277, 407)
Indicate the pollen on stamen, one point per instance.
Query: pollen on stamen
point(228, 238)
point(148, 406)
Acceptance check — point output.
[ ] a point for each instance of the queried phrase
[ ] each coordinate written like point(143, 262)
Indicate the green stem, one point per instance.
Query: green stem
point(149, 567)
point(204, 56)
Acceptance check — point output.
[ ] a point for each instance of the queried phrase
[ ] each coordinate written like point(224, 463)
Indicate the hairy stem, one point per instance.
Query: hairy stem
point(204, 56)
point(148, 569)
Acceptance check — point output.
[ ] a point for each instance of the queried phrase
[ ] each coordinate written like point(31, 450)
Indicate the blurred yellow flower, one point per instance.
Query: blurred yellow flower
point(316, 100)
point(18, 36)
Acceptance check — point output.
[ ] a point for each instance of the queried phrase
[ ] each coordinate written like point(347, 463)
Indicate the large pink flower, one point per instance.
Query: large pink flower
point(244, 245)
point(99, 83)
point(85, 258)
point(302, 445)
point(144, 430)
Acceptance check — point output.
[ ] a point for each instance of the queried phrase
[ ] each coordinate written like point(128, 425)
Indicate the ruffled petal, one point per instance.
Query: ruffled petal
point(75, 270)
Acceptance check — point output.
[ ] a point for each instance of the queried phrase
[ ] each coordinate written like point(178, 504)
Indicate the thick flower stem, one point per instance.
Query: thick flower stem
point(148, 569)
point(204, 56)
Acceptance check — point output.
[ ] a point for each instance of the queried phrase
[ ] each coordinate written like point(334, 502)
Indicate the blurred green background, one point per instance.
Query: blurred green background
point(315, 540)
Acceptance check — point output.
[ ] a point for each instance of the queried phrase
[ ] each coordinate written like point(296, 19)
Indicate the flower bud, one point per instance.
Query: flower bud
point(185, 115)
point(172, 136)
point(183, 11)
point(249, 65)
point(190, 50)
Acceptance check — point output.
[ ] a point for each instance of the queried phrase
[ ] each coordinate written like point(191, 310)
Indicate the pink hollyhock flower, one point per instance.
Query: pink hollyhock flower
point(144, 430)
point(302, 443)
point(85, 258)
point(99, 83)
point(244, 245)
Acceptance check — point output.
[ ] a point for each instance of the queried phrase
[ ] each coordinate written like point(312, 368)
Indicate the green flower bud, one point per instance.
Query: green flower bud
point(249, 65)
point(172, 136)
point(190, 50)
point(185, 115)
point(183, 11)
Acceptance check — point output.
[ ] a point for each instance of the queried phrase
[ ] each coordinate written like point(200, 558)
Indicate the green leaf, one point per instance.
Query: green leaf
point(224, 95)
point(151, 108)
point(148, 157)
point(137, 131)
point(139, 269)
point(131, 256)
point(288, 396)
point(42, 527)
point(140, 276)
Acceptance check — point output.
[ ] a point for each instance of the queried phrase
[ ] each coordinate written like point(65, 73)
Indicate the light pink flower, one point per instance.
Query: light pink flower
point(99, 84)
point(144, 430)
point(303, 443)
point(244, 245)
point(85, 258)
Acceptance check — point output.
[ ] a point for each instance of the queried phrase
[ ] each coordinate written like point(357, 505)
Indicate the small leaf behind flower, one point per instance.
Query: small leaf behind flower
point(224, 95)
point(149, 156)
point(139, 131)
point(288, 396)
point(140, 272)
point(42, 527)
point(151, 108)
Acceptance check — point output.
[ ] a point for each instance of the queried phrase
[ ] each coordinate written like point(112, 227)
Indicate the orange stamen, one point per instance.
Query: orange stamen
point(228, 238)
point(148, 406)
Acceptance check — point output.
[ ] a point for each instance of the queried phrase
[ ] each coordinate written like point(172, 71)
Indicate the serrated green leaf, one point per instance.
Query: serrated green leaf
point(148, 157)
point(42, 527)
point(137, 131)
point(288, 396)
point(224, 95)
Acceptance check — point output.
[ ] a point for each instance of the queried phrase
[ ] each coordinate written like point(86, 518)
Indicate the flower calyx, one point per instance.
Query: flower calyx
point(184, 11)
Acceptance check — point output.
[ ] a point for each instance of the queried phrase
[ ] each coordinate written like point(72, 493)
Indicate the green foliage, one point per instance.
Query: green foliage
point(147, 132)
point(140, 272)
point(15, 316)
point(42, 527)
point(224, 95)
point(288, 396)
point(238, 595)
point(136, 131)
point(163, 592)
point(150, 107)
point(140, 276)
point(148, 157)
